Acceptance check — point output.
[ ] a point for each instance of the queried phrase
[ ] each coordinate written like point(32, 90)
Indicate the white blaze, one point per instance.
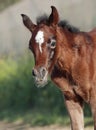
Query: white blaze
point(40, 39)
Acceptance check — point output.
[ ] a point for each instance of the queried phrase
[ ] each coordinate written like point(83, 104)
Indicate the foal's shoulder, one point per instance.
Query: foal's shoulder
point(83, 38)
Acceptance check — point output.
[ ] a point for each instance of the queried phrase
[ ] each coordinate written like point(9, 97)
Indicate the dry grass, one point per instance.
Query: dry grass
point(20, 126)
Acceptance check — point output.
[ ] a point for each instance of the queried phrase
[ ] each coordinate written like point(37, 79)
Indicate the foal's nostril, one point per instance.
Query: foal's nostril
point(43, 71)
point(33, 72)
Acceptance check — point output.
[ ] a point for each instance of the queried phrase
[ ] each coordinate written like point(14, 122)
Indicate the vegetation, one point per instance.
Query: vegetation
point(6, 3)
point(20, 99)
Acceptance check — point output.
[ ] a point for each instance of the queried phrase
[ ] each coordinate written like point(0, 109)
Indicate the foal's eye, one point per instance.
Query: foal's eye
point(53, 44)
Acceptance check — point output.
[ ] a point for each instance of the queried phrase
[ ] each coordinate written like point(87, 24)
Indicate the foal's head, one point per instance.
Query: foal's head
point(43, 45)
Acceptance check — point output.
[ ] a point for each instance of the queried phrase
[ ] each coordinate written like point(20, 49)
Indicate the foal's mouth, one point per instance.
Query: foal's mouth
point(41, 84)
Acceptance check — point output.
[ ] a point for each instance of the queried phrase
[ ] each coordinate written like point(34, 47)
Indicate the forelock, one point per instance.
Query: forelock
point(42, 19)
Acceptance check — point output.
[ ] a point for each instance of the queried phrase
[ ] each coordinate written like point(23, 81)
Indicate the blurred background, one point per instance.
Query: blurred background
point(20, 101)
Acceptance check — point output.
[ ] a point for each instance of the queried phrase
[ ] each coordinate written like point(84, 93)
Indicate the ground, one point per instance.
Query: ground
point(20, 126)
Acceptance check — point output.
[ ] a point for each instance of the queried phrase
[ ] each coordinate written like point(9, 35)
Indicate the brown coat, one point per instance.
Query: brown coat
point(71, 62)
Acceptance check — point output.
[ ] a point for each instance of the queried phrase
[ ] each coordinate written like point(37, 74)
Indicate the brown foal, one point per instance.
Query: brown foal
point(69, 57)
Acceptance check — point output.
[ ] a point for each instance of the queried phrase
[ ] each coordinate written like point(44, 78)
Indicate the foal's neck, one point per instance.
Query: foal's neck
point(65, 41)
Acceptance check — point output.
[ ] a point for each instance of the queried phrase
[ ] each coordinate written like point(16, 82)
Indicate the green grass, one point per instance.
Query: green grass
point(33, 117)
point(38, 118)
point(8, 68)
point(88, 121)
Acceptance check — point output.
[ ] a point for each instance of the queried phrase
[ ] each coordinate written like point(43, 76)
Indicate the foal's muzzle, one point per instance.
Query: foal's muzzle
point(41, 76)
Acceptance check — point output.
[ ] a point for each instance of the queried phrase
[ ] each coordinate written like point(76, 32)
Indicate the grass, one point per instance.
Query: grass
point(38, 118)
point(7, 68)
point(32, 117)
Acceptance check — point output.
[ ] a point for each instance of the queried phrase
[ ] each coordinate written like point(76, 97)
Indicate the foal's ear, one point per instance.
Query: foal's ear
point(54, 16)
point(28, 23)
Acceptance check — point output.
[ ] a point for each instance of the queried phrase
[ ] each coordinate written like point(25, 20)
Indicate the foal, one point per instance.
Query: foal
point(69, 57)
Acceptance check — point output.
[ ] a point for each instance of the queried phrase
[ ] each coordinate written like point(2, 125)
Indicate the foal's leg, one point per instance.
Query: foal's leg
point(75, 111)
point(74, 103)
point(93, 105)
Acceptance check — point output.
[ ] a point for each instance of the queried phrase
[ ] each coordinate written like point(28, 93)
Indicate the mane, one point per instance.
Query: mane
point(63, 23)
